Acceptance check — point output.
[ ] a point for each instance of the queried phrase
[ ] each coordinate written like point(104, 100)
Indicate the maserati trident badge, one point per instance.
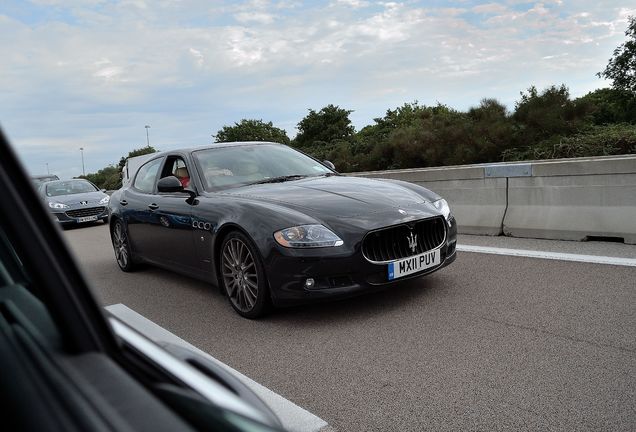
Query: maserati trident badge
point(412, 239)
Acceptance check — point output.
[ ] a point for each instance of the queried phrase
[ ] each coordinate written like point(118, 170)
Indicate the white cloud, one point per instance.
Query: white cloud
point(353, 3)
point(490, 8)
point(555, 56)
point(254, 17)
point(190, 67)
point(198, 57)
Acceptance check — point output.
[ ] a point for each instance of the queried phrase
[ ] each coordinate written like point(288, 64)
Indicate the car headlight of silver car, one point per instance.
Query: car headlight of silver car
point(104, 200)
point(57, 205)
point(443, 207)
point(307, 236)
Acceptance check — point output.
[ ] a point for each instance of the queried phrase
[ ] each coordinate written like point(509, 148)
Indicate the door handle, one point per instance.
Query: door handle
point(153, 206)
point(123, 202)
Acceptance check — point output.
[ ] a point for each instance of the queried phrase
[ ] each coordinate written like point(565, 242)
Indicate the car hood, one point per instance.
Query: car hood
point(89, 197)
point(337, 196)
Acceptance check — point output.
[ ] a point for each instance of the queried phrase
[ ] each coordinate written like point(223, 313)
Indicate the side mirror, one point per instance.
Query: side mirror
point(169, 184)
point(329, 164)
point(103, 190)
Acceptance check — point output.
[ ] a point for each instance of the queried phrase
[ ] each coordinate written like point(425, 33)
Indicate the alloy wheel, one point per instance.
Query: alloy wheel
point(240, 275)
point(120, 245)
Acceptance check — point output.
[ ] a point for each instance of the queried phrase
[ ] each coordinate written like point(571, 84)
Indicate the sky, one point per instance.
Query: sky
point(92, 74)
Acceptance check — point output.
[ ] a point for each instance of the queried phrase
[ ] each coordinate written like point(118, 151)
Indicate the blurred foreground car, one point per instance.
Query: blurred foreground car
point(64, 366)
point(270, 224)
point(75, 201)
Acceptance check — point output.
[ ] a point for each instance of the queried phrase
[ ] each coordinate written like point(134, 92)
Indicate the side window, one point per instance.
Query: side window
point(176, 167)
point(145, 179)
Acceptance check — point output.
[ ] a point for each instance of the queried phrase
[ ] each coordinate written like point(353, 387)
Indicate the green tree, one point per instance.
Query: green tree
point(418, 136)
point(604, 140)
point(252, 130)
point(621, 68)
point(491, 132)
point(106, 178)
point(609, 105)
point(319, 128)
point(551, 112)
point(373, 147)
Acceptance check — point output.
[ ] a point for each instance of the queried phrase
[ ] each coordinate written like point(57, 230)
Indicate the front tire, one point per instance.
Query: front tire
point(242, 276)
point(121, 246)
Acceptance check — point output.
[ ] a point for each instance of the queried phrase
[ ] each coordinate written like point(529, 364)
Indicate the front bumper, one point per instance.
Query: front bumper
point(63, 218)
point(339, 276)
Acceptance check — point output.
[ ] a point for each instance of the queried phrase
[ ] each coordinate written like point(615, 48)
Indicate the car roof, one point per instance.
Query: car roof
point(52, 182)
point(216, 145)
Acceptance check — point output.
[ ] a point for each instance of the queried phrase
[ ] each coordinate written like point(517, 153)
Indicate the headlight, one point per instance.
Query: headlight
point(57, 205)
point(105, 200)
point(443, 207)
point(307, 236)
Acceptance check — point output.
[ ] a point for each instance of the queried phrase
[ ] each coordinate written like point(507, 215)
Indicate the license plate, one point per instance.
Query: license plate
point(414, 264)
point(87, 219)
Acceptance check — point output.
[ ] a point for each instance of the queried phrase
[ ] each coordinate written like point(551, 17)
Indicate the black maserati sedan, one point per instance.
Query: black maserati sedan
point(271, 225)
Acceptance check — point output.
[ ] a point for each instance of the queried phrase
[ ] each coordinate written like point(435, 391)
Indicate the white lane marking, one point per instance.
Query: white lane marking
point(594, 259)
point(293, 417)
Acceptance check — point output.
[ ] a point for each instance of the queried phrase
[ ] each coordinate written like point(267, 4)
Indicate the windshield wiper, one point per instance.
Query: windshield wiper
point(279, 179)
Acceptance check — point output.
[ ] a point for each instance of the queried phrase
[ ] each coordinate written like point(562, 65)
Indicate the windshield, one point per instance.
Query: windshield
point(69, 187)
point(227, 167)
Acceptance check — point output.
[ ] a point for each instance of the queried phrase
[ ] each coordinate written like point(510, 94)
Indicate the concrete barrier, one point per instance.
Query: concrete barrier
point(573, 200)
point(564, 199)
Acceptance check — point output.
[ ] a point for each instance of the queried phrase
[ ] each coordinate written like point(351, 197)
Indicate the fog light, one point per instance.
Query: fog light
point(309, 283)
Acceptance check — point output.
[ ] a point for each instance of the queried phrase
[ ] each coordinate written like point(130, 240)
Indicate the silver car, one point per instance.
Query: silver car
point(75, 201)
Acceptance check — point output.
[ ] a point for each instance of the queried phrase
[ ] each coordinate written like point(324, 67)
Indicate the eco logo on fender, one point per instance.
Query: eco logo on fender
point(207, 226)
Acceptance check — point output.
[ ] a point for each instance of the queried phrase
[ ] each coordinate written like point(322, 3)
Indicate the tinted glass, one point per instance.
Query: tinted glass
point(145, 179)
point(69, 187)
point(227, 167)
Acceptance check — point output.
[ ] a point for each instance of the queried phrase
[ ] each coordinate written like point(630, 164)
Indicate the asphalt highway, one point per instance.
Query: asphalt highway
point(490, 343)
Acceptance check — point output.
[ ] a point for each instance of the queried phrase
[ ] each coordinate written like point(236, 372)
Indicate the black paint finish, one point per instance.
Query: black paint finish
point(175, 231)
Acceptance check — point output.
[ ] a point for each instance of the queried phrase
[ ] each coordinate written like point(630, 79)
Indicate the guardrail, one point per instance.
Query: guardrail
point(562, 199)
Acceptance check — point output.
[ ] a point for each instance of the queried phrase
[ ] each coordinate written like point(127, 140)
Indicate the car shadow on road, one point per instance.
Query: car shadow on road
point(406, 295)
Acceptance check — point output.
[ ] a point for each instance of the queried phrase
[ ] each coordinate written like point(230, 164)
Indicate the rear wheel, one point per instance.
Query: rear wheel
point(242, 276)
point(121, 245)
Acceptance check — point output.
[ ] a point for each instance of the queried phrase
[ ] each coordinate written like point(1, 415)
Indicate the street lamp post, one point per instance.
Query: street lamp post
point(83, 169)
point(147, 136)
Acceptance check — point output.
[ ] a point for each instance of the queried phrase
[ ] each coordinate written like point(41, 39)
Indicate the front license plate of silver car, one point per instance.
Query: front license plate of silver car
point(414, 264)
point(87, 219)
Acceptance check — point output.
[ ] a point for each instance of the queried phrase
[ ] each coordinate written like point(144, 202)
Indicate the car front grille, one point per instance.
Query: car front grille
point(394, 243)
point(91, 211)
